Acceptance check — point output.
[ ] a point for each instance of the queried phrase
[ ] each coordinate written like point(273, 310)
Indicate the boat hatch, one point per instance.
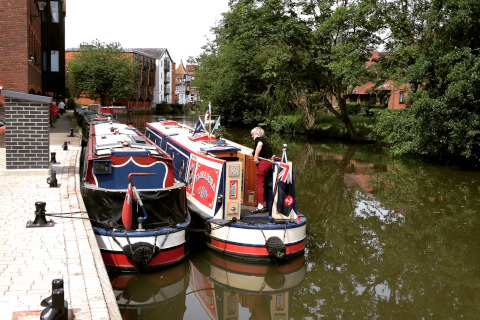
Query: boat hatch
point(138, 139)
point(108, 146)
point(217, 149)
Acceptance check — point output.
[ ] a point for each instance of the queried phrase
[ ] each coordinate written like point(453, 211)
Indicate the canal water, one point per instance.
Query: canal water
point(387, 238)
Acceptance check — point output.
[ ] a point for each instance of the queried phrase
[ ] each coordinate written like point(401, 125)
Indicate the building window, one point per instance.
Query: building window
point(54, 61)
point(402, 96)
point(54, 10)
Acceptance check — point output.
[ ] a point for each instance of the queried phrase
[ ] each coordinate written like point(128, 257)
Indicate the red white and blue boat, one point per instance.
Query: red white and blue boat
point(220, 177)
point(137, 208)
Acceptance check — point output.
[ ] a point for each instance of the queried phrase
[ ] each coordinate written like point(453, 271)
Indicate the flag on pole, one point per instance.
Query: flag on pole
point(286, 189)
point(198, 127)
point(208, 112)
point(127, 209)
point(285, 175)
point(217, 124)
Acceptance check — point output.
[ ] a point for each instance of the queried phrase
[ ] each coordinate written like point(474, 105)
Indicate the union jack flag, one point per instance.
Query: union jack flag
point(285, 175)
point(285, 188)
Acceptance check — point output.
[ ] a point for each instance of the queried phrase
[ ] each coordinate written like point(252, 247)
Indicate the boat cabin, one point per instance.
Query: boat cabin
point(220, 175)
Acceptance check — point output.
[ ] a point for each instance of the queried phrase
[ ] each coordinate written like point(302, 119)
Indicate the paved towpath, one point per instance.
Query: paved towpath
point(30, 258)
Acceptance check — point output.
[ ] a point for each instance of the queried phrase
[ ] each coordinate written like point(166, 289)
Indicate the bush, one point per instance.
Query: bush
point(163, 108)
point(71, 104)
point(363, 109)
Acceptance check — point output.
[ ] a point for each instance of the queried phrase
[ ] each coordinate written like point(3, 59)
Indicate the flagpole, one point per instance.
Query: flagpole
point(209, 120)
point(284, 151)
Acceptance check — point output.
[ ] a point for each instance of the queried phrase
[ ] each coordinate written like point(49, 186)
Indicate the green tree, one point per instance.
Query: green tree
point(275, 52)
point(320, 52)
point(102, 71)
point(434, 46)
point(228, 74)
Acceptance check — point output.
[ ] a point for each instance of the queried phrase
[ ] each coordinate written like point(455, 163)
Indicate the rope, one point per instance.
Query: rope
point(67, 215)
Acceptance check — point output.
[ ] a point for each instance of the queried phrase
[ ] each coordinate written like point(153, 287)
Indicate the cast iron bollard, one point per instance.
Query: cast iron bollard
point(65, 145)
point(71, 134)
point(56, 306)
point(40, 220)
point(52, 180)
point(52, 157)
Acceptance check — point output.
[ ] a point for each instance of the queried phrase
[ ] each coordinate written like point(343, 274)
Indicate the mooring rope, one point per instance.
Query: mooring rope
point(68, 215)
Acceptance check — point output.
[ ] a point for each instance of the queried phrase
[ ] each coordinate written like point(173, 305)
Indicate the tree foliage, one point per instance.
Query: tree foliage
point(268, 54)
point(102, 71)
point(434, 48)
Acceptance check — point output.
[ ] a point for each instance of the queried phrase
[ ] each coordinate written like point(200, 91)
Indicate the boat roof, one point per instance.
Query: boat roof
point(121, 139)
point(200, 142)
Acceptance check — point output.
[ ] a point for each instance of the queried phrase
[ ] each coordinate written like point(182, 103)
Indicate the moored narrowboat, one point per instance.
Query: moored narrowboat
point(137, 208)
point(220, 177)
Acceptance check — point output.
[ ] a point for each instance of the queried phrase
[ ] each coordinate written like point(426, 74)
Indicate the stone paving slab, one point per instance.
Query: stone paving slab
point(30, 258)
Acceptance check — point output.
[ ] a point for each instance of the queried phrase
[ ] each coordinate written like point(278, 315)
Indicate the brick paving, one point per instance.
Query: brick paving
point(30, 258)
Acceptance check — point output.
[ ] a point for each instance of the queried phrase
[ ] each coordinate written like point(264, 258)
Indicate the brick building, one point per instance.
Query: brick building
point(32, 42)
point(388, 94)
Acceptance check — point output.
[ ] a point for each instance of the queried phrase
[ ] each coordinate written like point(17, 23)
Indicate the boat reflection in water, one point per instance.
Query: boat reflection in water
point(159, 295)
point(232, 289)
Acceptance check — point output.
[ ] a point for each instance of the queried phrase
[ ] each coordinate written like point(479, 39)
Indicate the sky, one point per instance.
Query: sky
point(181, 26)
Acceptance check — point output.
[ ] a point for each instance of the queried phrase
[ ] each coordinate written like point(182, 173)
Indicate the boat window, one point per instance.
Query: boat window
point(182, 168)
point(102, 167)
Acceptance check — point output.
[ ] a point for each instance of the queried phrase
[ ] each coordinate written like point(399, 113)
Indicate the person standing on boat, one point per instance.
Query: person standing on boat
point(262, 150)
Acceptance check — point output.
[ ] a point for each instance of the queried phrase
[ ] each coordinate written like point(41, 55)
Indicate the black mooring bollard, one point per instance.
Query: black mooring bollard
point(65, 145)
point(58, 308)
point(52, 180)
point(71, 134)
point(40, 219)
point(56, 284)
point(52, 157)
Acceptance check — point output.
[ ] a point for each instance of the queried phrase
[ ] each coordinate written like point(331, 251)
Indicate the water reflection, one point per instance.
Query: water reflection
point(159, 295)
point(230, 289)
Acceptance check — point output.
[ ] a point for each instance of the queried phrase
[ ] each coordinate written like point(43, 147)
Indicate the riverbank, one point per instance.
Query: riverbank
point(32, 257)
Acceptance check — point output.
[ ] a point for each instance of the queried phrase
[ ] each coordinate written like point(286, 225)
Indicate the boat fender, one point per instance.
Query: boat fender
point(276, 248)
point(141, 252)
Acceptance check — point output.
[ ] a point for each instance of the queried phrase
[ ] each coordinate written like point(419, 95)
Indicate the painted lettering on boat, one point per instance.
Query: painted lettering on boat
point(205, 176)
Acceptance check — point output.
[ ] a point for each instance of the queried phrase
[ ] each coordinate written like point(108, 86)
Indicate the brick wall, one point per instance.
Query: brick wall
point(20, 38)
point(27, 136)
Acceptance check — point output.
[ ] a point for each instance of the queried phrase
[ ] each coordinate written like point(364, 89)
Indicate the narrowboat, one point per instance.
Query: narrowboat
point(137, 208)
point(231, 289)
point(220, 178)
point(107, 110)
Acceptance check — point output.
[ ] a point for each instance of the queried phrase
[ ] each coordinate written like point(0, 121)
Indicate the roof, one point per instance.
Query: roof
point(156, 53)
point(180, 71)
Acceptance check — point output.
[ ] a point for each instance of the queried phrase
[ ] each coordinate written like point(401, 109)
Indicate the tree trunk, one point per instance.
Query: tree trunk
point(342, 105)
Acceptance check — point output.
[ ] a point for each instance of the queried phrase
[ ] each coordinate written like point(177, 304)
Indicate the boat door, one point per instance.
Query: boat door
point(233, 189)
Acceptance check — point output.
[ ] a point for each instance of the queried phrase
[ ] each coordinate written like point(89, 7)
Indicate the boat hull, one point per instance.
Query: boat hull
point(249, 240)
point(128, 251)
